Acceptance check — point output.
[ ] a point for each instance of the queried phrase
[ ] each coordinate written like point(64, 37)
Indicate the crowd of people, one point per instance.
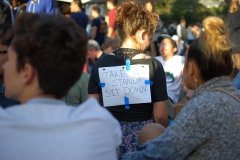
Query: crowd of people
point(73, 86)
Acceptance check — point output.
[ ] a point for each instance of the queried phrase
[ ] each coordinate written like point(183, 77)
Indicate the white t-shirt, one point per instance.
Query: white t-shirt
point(45, 128)
point(173, 69)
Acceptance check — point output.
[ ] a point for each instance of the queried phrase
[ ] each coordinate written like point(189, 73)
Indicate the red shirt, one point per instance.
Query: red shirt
point(112, 19)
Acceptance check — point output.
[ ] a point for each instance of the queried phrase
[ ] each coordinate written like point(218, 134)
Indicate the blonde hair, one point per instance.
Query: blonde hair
point(214, 39)
point(131, 17)
point(234, 6)
point(212, 50)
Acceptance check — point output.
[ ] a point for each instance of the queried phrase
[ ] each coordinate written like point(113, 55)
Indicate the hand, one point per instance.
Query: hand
point(186, 91)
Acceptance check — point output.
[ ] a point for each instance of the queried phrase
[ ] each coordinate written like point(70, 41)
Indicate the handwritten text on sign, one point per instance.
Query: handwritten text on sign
point(120, 83)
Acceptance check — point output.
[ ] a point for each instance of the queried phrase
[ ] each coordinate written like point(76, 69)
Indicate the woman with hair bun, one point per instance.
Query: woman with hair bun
point(135, 25)
point(208, 127)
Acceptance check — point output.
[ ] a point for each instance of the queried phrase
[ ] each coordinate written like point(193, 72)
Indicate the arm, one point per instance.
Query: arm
point(179, 31)
point(188, 131)
point(94, 32)
point(110, 31)
point(112, 19)
point(160, 113)
point(50, 7)
point(96, 96)
point(236, 57)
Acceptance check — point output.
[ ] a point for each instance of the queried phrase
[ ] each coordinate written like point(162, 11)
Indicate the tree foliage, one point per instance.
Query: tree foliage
point(191, 10)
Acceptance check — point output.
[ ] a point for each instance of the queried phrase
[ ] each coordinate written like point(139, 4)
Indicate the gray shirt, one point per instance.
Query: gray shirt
point(79, 92)
point(208, 127)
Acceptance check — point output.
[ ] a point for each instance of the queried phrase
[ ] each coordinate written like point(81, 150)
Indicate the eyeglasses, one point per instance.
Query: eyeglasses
point(164, 44)
point(3, 52)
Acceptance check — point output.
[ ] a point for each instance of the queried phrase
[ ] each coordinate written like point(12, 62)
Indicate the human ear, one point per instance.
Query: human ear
point(174, 49)
point(190, 69)
point(143, 34)
point(28, 73)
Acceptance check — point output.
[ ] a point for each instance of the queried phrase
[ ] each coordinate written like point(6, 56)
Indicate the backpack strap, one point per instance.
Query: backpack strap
point(221, 90)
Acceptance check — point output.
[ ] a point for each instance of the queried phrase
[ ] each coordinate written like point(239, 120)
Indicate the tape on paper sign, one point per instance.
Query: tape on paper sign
point(101, 84)
point(128, 64)
point(148, 82)
point(126, 101)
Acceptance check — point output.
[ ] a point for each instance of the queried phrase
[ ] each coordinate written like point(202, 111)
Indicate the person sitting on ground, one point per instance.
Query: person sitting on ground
point(132, 113)
point(208, 125)
point(94, 52)
point(78, 93)
point(110, 45)
point(38, 74)
point(172, 64)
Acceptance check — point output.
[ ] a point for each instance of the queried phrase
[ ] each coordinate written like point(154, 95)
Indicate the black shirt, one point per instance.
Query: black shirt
point(234, 27)
point(233, 18)
point(4, 102)
point(137, 112)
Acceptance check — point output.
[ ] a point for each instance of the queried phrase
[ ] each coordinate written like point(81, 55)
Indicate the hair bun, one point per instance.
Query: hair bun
point(214, 36)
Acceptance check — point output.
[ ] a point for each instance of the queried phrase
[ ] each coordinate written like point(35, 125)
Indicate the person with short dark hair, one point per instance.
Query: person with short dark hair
point(77, 14)
point(111, 45)
point(45, 59)
point(172, 64)
point(65, 10)
point(98, 26)
point(208, 125)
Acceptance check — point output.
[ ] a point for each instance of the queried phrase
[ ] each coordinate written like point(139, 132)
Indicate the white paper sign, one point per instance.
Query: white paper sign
point(117, 83)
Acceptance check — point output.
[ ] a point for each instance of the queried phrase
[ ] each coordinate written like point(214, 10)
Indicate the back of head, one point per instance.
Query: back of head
point(113, 2)
point(53, 45)
point(150, 132)
point(65, 9)
point(78, 2)
point(131, 17)
point(96, 9)
point(111, 42)
point(92, 44)
point(212, 50)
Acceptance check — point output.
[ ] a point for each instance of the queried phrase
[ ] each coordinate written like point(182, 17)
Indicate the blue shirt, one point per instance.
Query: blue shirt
point(101, 30)
point(41, 6)
point(80, 18)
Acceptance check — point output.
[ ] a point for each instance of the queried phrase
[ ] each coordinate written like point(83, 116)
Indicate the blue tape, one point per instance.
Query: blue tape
point(101, 84)
point(148, 82)
point(128, 64)
point(126, 101)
